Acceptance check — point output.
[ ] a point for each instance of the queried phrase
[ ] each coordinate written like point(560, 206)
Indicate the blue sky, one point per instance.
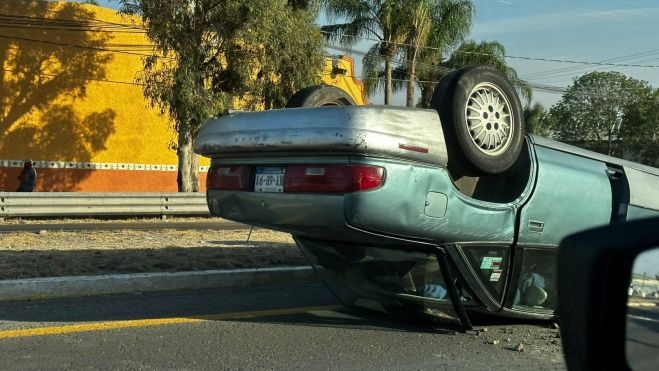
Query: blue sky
point(623, 31)
point(647, 262)
point(616, 31)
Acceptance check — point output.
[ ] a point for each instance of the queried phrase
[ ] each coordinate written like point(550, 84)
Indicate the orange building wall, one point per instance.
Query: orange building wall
point(59, 180)
point(68, 100)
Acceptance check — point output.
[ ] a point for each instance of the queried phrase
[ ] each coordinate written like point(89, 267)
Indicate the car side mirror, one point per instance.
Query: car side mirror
point(642, 332)
point(602, 326)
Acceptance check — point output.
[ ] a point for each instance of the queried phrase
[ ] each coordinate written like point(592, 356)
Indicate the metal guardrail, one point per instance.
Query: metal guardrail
point(54, 204)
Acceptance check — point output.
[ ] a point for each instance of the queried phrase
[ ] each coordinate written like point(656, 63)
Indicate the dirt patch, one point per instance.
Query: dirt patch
point(51, 254)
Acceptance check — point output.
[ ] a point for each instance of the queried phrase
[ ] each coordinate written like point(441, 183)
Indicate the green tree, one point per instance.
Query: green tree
point(379, 19)
point(640, 130)
point(210, 52)
point(592, 111)
point(537, 120)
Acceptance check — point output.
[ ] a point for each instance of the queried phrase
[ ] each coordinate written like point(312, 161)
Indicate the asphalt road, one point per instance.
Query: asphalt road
point(217, 224)
point(278, 327)
point(642, 338)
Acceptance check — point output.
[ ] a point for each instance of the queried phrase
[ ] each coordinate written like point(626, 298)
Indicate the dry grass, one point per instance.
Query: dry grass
point(130, 239)
point(28, 254)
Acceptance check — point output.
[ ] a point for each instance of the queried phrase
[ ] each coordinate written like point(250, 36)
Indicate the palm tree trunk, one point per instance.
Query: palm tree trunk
point(426, 94)
point(411, 80)
point(389, 87)
point(411, 73)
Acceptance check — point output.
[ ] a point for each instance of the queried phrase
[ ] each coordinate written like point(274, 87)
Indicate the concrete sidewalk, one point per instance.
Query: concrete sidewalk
point(75, 286)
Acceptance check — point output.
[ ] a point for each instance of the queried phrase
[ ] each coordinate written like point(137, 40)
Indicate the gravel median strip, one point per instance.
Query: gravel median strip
point(55, 254)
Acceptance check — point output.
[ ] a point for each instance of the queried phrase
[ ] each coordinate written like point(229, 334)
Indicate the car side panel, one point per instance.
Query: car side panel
point(421, 202)
point(572, 193)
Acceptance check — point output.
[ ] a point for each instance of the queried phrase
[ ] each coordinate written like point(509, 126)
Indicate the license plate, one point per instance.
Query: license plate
point(269, 179)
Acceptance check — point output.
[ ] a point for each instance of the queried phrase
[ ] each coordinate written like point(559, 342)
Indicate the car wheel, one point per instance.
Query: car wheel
point(320, 95)
point(481, 118)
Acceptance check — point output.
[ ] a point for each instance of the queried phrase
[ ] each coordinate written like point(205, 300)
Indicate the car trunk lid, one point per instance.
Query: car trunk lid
point(376, 131)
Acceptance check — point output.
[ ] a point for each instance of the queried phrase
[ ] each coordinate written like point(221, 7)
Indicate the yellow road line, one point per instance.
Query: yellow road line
point(100, 326)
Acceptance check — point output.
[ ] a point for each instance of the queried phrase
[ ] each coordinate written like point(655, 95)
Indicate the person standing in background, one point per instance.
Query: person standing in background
point(27, 177)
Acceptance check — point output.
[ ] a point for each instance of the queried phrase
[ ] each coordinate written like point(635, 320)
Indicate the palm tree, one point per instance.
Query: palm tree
point(378, 19)
point(419, 25)
point(469, 53)
point(433, 28)
point(537, 120)
point(492, 53)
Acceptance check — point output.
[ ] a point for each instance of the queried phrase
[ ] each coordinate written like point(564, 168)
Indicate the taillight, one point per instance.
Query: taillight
point(228, 177)
point(332, 178)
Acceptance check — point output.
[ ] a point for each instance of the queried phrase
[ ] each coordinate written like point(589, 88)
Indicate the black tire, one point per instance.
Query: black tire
point(474, 151)
point(320, 95)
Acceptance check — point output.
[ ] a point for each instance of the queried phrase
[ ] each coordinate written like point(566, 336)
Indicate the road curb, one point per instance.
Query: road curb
point(63, 287)
point(216, 224)
point(641, 304)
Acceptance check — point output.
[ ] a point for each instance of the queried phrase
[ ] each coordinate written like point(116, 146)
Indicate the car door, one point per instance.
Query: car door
point(572, 193)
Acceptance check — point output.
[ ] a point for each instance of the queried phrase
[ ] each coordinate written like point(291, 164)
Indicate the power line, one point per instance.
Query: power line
point(95, 48)
point(535, 86)
point(579, 68)
point(87, 22)
point(442, 69)
point(398, 61)
point(58, 28)
point(111, 27)
point(87, 79)
point(66, 25)
point(506, 56)
point(378, 78)
point(577, 62)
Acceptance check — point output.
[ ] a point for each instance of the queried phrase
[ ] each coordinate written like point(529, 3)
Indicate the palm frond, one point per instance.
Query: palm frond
point(491, 53)
point(373, 71)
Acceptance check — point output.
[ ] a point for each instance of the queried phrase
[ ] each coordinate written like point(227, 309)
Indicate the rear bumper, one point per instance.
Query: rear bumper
point(284, 212)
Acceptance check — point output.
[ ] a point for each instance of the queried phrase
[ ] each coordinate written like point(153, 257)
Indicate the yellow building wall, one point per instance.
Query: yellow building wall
point(66, 97)
point(69, 101)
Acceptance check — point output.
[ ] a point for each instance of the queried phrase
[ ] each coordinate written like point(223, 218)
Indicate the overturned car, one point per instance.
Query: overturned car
point(435, 212)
